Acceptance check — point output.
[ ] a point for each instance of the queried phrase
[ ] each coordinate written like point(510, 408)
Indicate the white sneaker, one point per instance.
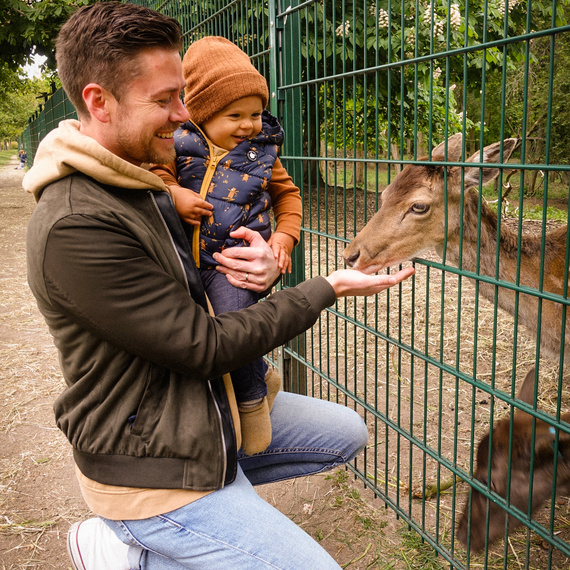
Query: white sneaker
point(92, 545)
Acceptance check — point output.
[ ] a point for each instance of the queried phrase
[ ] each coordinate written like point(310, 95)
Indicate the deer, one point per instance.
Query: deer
point(495, 475)
point(411, 220)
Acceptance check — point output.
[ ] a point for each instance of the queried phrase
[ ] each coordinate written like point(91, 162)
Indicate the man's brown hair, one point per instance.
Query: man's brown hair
point(99, 44)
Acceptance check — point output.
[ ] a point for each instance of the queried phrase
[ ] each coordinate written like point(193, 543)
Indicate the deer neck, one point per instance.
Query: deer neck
point(479, 251)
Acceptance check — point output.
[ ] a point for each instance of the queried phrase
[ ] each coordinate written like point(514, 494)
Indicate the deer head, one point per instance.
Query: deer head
point(412, 214)
point(496, 477)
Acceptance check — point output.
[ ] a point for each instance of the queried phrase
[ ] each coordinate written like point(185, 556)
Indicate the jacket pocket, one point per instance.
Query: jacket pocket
point(147, 416)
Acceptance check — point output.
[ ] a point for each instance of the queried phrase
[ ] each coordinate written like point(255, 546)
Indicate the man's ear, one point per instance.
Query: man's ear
point(98, 101)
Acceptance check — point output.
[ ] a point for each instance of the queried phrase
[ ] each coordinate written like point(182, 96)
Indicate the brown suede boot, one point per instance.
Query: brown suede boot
point(254, 417)
point(273, 381)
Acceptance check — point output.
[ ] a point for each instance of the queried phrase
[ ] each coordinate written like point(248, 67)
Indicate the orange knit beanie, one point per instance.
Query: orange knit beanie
point(218, 73)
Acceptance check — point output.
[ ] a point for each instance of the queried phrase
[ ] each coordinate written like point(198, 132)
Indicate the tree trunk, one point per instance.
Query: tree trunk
point(395, 155)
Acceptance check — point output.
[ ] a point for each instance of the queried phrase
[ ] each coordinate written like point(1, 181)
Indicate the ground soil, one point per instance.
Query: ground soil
point(39, 495)
point(40, 498)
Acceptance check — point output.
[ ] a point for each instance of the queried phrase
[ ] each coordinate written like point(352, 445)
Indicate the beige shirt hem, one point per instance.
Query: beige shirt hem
point(133, 503)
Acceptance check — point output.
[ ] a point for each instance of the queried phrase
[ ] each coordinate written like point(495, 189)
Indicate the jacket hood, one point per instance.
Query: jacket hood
point(66, 150)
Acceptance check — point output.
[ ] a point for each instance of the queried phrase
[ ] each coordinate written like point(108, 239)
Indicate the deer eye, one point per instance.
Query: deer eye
point(419, 208)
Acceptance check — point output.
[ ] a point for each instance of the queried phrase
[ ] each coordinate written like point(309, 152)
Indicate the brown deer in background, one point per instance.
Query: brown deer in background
point(519, 461)
point(412, 220)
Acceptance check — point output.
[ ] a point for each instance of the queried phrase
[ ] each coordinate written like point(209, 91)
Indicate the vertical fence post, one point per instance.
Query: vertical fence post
point(288, 104)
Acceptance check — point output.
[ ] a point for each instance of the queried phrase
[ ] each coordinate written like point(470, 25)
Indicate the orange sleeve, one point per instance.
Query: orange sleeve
point(167, 172)
point(286, 202)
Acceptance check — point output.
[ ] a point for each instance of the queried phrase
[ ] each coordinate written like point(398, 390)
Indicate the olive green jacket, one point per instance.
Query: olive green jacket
point(144, 403)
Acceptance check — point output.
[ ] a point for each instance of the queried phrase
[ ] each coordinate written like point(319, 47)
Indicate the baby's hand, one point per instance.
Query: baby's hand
point(282, 245)
point(190, 206)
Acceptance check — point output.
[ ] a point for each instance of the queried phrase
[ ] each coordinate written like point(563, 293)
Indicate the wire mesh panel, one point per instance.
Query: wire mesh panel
point(443, 129)
point(56, 109)
point(433, 365)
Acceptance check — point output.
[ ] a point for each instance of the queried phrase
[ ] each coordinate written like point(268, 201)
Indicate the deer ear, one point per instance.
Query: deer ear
point(526, 391)
point(483, 451)
point(454, 144)
point(491, 153)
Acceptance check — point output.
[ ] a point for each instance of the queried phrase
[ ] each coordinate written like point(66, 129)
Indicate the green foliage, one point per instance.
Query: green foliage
point(18, 100)
point(392, 85)
point(552, 213)
point(520, 100)
point(560, 129)
point(28, 28)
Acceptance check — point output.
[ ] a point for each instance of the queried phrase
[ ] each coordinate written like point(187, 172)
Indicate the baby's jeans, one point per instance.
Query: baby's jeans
point(249, 380)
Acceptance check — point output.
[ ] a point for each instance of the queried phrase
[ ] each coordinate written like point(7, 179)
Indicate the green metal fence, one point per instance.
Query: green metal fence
point(56, 108)
point(363, 89)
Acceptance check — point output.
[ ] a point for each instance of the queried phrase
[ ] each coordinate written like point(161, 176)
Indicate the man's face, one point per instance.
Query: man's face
point(143, 123)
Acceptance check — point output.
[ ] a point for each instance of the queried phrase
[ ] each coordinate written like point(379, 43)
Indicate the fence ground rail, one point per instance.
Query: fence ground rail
point(365, 92)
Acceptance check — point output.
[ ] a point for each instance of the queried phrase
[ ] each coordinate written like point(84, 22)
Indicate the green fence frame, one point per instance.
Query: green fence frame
point(56, 109)
point(362, 89)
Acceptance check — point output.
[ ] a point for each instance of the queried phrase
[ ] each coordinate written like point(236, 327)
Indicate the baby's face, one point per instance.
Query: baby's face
point(235, 123)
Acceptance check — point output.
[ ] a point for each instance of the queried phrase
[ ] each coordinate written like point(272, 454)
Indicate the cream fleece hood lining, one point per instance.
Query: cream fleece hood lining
point(66, 150)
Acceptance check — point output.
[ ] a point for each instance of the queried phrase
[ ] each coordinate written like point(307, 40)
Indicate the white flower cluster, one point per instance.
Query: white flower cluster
point(438, 28)
point(438, 25)
point(343, 29)
point(437, 72)
point(383, 18)
point(428, 13)
point(455, 17)
point(501, 6)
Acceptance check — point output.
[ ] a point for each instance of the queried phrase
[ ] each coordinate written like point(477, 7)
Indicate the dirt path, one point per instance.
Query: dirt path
point(39, 495)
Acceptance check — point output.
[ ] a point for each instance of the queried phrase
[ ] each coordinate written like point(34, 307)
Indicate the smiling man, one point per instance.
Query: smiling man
point(148, 406)
point(140, 124)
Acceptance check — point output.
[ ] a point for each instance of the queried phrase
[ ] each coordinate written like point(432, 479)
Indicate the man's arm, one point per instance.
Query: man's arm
point(254, 267)
point(101, 280)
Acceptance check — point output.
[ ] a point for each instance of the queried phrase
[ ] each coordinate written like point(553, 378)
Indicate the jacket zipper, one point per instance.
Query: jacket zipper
point(218, 411)
point(203, 191)
point(225, 454)
point(170, 236)
point(211, 168)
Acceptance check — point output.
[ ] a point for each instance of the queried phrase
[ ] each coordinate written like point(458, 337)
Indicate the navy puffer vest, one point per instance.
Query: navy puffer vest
point(238, 185)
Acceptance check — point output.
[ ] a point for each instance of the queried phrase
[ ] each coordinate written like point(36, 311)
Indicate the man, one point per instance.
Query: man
point(148, 406)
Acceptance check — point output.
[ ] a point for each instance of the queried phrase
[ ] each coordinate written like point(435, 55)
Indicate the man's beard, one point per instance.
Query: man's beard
point(144, 151)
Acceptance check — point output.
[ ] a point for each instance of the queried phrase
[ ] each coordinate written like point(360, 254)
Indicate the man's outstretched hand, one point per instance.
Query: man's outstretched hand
point(351, 282)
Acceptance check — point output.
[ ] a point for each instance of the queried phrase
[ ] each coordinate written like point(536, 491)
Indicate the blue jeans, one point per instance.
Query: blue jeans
point(249, 380)
point(233, 528)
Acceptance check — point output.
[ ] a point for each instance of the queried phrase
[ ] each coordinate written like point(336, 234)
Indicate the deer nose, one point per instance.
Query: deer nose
point(351, 259)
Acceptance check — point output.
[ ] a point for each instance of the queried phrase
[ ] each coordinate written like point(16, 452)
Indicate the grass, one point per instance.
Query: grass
point(415, 553)
point(6, 157)
point(364, 530)
point(531, 209)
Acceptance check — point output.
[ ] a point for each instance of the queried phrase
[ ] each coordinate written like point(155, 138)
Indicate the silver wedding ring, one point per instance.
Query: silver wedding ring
point(247, 277)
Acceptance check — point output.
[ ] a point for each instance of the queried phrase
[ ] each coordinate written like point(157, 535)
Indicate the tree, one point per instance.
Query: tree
point(29, 27)
point(19, 100)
